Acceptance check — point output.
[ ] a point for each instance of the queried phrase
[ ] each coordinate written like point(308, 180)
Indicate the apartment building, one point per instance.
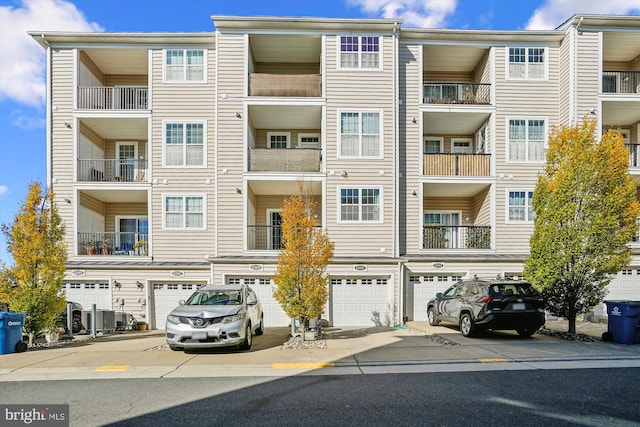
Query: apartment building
point(171, 154)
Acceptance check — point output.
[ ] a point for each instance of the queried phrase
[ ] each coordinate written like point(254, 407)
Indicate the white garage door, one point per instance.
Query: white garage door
point(87, 294)
point(167, 296)
point(361, 302)
point(625, 286)
point(273, 313)
point(422, 288)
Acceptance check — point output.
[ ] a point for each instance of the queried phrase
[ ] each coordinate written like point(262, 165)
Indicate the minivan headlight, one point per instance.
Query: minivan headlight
point(173, 319)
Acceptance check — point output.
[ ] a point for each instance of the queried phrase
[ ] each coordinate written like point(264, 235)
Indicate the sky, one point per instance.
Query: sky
point(23, 67)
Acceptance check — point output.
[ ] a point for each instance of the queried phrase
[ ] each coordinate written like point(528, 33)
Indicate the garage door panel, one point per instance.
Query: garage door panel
point(167, 296)
point(274, 315)
point(360, 302)
point(87, 294)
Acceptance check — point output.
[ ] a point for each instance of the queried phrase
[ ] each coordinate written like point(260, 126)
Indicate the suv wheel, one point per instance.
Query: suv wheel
point(466, 325)
point(246, 344)
point(260, 329)
point(431, 315)
point(76, 323)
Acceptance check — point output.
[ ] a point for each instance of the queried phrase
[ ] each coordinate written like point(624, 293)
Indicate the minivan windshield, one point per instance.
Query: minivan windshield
point(216, 297)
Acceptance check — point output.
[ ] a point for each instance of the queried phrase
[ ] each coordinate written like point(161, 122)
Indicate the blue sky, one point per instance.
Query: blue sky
point(22, 72)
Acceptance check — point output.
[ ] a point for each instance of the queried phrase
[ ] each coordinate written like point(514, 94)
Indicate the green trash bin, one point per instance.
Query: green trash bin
point(623, 324)
point(11, 333)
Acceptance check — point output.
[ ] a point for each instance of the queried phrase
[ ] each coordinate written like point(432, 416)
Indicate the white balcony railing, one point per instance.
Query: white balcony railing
point(112, 98)
point(110, 170)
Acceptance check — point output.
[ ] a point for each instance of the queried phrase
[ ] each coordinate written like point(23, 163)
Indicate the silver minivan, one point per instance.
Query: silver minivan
point(216, 316)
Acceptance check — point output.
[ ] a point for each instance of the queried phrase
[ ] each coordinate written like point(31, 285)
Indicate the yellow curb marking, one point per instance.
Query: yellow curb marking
point(310, 365)
point(494, 360)
point(112, 368)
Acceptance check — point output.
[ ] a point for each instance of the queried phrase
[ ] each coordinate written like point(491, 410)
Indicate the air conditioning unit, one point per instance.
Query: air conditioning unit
point(105, 320)
point(123, 320)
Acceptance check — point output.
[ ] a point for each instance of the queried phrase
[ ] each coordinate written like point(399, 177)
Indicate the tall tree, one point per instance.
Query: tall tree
point(301, 283)
point(33, 285)
point(586, 206)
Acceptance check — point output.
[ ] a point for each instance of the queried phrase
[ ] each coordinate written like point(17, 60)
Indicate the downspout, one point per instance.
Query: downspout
point(48, 115)
point(396, 143)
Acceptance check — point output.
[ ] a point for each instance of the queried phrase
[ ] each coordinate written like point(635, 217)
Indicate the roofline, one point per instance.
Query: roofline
point(482, 36)
point(601, 22)
point(61, 39)
point(238, 23)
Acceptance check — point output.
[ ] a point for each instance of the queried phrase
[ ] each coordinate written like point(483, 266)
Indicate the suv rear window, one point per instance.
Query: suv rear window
point(507, 289)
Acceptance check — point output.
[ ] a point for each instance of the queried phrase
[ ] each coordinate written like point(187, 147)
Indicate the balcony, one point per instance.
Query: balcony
point(456, 237)
point(284, 160)
point(634, 155)
point(456, 164)
point(623, 82)
point(264, 237)
point(285, 85)
point(109, 170)
point(456, 93)
point(124, 243)
point(112, 98)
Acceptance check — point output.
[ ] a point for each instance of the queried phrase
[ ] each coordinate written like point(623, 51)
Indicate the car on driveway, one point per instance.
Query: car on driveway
point(479, 305)
point(216, 316)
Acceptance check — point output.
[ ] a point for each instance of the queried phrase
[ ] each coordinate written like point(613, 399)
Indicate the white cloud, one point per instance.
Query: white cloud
point(552, 13)
point(3, 190)
point(414, 13)
point(22, 70)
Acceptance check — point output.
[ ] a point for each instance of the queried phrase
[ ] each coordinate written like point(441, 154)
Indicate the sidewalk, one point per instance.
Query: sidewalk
point(348, 350)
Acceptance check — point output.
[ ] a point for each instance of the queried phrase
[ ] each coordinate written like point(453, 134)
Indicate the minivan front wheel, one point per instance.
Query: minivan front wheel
point(466, 325)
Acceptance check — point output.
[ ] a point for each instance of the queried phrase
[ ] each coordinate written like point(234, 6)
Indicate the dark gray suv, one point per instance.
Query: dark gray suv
point(478, 305)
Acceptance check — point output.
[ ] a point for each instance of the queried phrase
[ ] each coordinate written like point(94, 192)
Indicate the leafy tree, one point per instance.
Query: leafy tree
point(301, 283)
point(33, 285)
point(586, 208)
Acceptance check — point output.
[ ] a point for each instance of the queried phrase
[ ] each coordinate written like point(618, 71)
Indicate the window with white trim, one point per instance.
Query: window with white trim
point(527, 63)
point(184, 212)
point(360, 52)
point(433, 145)
point(520, 206)
point(184, 144)
point(360, 204)
point(527, 139)
point(184, 65)
point(360, 134)
point(308, 140)
point(278, 139)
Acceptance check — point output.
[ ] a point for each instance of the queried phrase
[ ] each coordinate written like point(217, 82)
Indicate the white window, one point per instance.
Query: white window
point(360, 134)
point(360, 52)
point(462, 145)
point(184, 144)
point(527, 139)
point(184, 65)
point(527, 63)
point(308, 140)
point(360, 204)
point(278, 139)
point(433, 145)
point(184, 212)
point(520, 206)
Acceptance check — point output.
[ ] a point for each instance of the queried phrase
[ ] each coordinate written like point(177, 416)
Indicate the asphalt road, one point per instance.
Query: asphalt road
point(576, 397)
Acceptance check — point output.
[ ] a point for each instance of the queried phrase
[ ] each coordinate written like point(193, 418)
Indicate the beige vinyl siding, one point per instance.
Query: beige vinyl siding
point(93, 136)
point(126, 80)
point(231, 156)
point(287, 68)
point(449, 204)
point(482, 72)
point(459, 76)
point(410, 151)
point(183, 103)
point(358, 90)
point(113, 210)
point(264, 203)
point(565, 80)
point(92, 204)
point(588, 73)
point(542, 102)
point(62, 138)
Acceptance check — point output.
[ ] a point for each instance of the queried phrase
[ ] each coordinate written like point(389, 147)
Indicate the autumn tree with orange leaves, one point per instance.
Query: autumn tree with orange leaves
point(301, 285)
point(35, 239)
point(586, 206)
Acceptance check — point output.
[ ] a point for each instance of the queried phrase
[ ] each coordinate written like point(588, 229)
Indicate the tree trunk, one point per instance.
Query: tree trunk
point(571, 318)
point(302, 328)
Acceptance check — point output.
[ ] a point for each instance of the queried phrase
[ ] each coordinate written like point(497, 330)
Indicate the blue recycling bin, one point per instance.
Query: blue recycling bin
point(624, 321)
point(11, 332)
